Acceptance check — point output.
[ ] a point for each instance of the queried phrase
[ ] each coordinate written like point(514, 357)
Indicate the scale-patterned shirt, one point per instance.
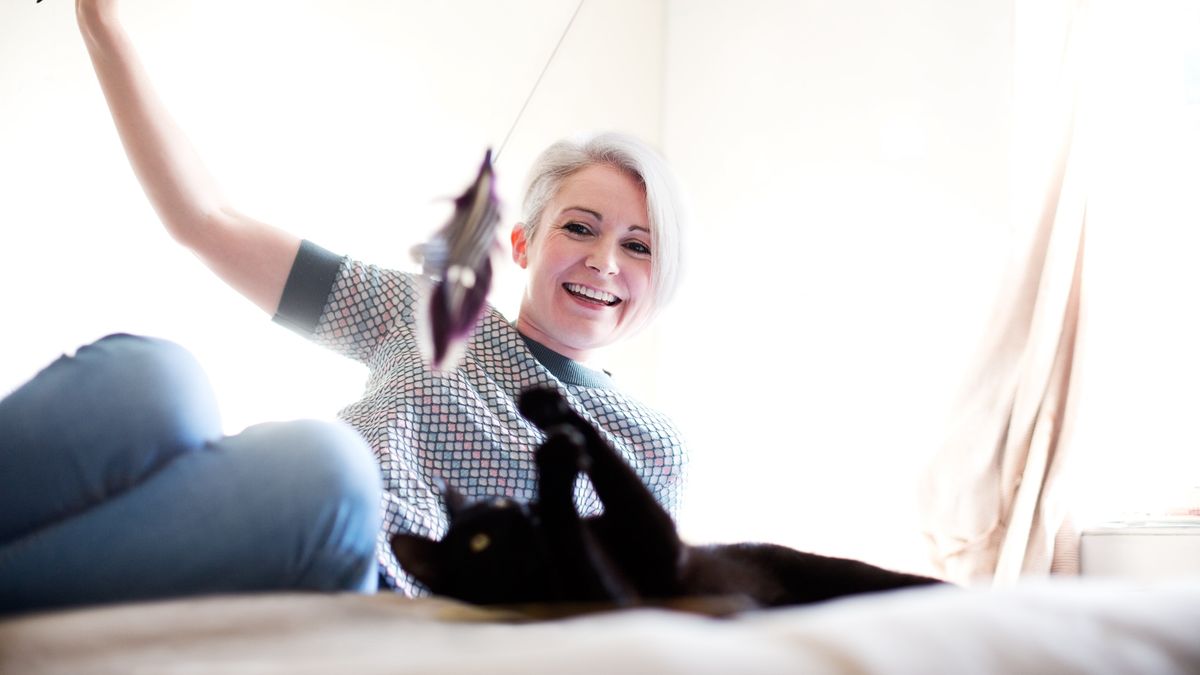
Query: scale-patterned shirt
point(461, 425)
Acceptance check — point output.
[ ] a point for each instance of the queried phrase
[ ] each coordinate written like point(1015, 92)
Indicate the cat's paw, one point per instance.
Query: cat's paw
point(544, 407)
point(564, 450)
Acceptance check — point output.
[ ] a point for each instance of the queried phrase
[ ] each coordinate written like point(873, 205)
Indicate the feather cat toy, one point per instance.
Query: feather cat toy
point(458, 258)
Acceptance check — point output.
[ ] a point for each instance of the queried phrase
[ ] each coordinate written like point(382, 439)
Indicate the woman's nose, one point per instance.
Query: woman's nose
point(603, 260)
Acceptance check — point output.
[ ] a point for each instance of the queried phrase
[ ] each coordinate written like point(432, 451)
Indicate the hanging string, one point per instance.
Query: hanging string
point(533, 90)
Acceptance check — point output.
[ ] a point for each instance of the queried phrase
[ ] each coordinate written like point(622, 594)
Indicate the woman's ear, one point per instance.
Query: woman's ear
point(519, 245)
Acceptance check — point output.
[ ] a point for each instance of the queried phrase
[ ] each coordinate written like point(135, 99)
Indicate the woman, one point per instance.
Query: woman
point(600, 241)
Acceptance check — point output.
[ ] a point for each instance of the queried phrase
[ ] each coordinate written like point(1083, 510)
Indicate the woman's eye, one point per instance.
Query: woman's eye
point(576, 228)
point(638, 247)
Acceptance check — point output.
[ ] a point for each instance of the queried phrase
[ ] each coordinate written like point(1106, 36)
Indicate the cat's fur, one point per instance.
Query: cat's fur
point(500, 552)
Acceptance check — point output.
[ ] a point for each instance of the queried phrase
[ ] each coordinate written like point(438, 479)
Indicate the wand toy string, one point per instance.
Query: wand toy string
point(538, 81)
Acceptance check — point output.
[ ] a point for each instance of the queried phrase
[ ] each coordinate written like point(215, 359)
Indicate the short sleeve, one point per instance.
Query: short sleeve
point(308, 284)
point(346, 305)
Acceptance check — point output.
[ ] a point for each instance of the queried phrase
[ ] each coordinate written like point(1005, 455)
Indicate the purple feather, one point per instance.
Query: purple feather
point(459, 258)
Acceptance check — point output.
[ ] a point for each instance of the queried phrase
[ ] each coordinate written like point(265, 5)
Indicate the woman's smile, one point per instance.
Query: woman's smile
point(590, 296)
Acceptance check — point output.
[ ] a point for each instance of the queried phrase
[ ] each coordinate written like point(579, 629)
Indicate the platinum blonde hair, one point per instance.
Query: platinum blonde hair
point(664, 202)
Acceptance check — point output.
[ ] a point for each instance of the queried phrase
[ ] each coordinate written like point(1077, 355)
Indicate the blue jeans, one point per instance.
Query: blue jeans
point(116, 484)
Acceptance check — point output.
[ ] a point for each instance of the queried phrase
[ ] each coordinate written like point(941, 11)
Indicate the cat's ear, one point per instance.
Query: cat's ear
point(453, 499)
point(420, 557)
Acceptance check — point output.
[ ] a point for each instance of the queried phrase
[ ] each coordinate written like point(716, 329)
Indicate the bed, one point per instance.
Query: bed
point(1062, 626)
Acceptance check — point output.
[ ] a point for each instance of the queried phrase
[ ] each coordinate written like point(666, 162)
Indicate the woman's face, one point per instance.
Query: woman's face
point(588, 263)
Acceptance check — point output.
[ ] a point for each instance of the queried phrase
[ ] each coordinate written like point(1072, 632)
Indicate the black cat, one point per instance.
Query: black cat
point(501, 552)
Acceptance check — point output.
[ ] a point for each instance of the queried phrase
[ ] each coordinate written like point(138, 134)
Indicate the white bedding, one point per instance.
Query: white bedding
point(1059, 627)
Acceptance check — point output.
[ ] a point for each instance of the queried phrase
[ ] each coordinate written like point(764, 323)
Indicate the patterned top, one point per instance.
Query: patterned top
point(460, 425)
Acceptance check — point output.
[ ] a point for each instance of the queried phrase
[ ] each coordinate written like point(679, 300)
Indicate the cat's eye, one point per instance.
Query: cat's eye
point(480, 542)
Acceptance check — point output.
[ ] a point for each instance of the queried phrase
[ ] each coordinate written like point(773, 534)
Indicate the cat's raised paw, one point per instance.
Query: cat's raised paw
point(544, 407)
point(565, 449)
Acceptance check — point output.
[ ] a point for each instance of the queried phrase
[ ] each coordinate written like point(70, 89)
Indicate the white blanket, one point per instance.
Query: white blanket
point(1059, 627)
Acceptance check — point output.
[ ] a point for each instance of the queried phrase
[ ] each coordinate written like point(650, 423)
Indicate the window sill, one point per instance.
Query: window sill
point(1148, 550)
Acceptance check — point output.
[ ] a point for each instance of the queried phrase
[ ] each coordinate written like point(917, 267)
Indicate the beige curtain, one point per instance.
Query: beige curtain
point(993, 497)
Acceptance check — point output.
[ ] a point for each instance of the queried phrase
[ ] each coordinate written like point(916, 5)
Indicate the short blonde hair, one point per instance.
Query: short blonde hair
point(664, 203)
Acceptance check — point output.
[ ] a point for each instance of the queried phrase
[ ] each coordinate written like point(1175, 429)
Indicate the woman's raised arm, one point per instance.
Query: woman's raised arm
point(252, 257)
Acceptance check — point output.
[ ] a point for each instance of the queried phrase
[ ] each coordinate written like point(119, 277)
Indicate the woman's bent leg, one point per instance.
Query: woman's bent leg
point(93, 425)
point(280, 506)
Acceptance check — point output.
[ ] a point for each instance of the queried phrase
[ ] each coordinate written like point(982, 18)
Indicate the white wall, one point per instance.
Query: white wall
point(848, 162)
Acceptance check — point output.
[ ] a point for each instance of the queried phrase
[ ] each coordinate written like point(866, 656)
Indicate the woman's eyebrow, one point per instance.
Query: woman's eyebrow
point(594, 214)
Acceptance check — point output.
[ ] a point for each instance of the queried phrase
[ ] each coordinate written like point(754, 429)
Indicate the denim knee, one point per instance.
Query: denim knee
point(335, 489)
point(96, 424)
point(331, 459)
point(157, 386)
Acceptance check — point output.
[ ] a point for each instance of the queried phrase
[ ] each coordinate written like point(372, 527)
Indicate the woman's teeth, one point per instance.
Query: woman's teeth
point(592, 294)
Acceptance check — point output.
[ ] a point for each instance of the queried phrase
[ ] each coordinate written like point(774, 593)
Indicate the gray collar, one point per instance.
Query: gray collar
point(568, 370)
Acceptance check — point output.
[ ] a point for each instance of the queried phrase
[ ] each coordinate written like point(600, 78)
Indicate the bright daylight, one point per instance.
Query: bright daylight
point(600, 336)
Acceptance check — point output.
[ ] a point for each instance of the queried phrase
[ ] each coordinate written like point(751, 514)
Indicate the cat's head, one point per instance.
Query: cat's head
point(492, 553)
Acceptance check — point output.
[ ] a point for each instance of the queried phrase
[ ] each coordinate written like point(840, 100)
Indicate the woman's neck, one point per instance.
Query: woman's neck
point(533, 332)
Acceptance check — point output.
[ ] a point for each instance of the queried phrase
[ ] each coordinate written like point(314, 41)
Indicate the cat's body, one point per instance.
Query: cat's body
point(501, 552)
